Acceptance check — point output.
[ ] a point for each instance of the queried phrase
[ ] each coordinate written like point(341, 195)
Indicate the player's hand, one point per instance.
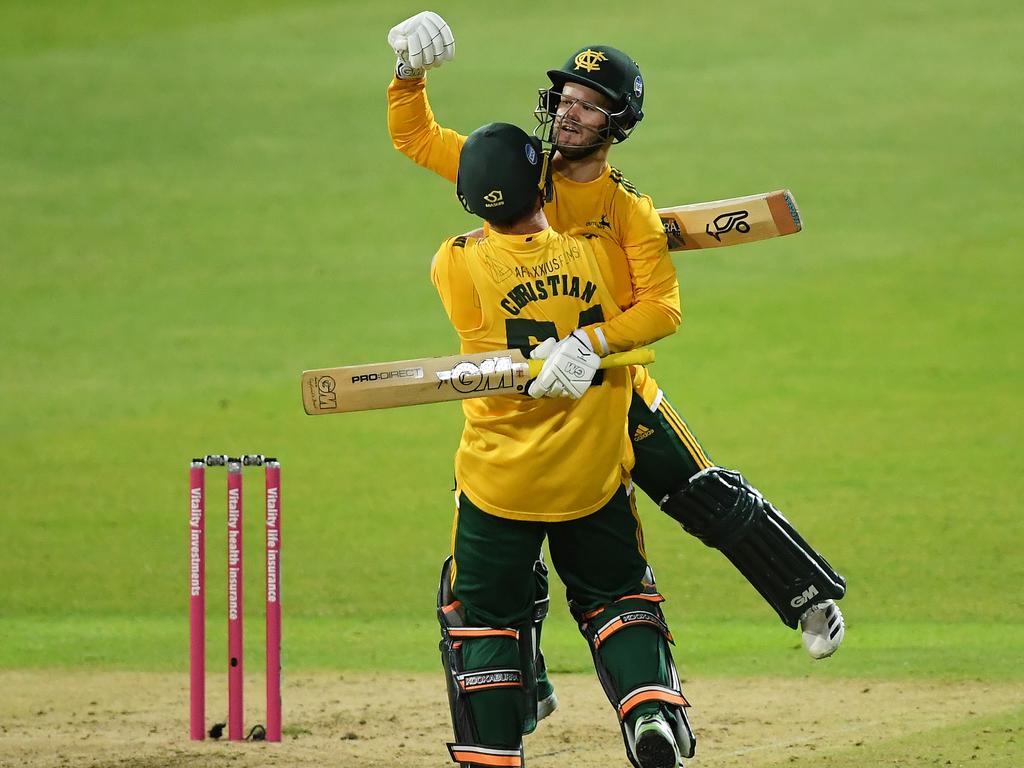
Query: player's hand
point(542, 352)
point(422, 41)
point(569, 367)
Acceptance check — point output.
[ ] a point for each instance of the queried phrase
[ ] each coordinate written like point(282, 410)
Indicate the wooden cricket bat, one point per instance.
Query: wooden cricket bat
point(430, 380)
point(731, 222)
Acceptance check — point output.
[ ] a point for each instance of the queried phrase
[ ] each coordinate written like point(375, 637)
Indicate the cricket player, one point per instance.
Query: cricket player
point(596, 100)
point(548, 463)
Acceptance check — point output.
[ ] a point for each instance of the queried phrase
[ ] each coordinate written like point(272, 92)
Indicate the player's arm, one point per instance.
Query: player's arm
point(421, 42)
point(653, 314)
point(451, 278)
point(655, 311)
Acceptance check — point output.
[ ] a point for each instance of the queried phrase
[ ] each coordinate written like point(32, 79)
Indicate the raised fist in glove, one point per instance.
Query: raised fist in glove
point(422, 42)
point(569, 367)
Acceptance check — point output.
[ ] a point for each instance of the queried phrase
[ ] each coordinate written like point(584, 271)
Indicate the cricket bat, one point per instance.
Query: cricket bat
point(430, 380)
point(731, 222)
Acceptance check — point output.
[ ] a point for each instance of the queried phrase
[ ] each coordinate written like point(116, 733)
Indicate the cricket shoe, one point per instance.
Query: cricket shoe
point(822, 629)
point(546, 706)
point(547, 702)
point(654, 744)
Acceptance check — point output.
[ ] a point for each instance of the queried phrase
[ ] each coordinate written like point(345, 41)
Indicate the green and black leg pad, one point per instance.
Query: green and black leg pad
point(629, 641)
point(723, 510)
point(491, 685)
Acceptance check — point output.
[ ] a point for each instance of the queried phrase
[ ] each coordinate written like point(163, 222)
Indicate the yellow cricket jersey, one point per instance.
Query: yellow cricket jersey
point(635, 259)
point(549, 459)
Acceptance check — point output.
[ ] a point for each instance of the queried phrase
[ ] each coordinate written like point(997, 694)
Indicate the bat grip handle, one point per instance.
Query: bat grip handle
point(641, 356)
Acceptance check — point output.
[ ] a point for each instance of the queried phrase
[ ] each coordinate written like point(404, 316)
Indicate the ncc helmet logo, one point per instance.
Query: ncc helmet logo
point(531, 154)
point(494, 198)
point(589, 60)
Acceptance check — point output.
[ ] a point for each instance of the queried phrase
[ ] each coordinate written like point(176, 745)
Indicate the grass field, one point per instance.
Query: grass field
point(199, 200)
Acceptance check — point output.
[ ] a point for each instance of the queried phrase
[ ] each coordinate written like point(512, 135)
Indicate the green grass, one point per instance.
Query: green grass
point(893, 650)
point(199, 200)
point(993, 742)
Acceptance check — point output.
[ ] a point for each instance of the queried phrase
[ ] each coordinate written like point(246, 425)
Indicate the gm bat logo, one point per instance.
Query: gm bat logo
point(326, 397)
point(492, 373)
point(726, 222)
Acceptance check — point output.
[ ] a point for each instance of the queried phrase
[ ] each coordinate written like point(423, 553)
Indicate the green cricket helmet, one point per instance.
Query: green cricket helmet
point(611, 73)
point(502, 172)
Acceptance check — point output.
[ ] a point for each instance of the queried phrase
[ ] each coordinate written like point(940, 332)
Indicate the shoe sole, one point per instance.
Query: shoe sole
point(652, 751)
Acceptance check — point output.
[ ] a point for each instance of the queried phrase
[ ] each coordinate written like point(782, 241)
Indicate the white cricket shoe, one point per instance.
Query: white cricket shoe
point(822, 629)
point(654, 744)
point(546, 706)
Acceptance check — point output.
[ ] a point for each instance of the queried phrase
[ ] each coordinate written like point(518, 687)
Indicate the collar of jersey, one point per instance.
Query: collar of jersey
point(523, 243)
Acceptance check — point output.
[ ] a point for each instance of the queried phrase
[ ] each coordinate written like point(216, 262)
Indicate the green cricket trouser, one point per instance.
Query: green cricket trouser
point(667, 456)
point(667, 453)
point(599, 558)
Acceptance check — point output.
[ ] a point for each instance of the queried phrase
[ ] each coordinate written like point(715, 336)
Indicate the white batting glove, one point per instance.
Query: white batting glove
point(422, 42)
point(569, 367)
point(543, 351)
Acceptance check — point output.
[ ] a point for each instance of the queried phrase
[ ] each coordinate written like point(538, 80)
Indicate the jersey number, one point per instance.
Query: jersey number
point(524, 335)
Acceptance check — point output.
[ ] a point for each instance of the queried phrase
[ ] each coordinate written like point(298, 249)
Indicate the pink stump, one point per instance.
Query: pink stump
point(273, 475)
point(197, 598)
point(235, 675)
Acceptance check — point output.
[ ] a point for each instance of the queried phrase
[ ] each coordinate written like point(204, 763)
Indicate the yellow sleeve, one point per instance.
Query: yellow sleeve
point(416, 134)
point(451, 278)
point(655, 311)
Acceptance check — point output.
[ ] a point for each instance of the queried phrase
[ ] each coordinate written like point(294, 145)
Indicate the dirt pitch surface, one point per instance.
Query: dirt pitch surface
point(129, 720)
